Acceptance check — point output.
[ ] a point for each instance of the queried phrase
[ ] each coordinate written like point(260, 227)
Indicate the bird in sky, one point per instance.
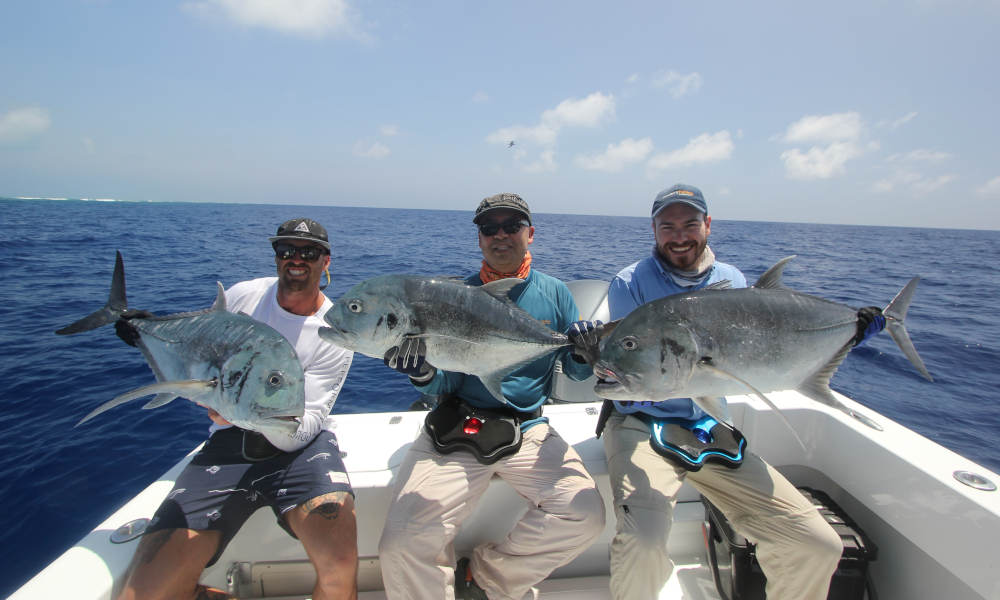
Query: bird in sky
point(510, 144)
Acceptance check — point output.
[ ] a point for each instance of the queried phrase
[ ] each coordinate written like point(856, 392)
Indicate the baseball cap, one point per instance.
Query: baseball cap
point(688, 194)
point(302, 229)
point(509, 201)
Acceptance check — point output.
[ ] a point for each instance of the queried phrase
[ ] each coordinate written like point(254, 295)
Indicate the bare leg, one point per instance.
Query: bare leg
point(327, 528)
point(168, 563)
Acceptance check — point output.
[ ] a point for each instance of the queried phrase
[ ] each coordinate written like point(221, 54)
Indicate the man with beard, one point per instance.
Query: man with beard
point(797, 550)
point(300, 476)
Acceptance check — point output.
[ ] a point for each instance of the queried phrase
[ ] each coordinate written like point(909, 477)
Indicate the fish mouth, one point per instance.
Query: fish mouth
point(609, 384)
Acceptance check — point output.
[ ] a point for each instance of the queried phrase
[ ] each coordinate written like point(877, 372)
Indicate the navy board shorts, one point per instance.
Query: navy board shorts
point(220, 488)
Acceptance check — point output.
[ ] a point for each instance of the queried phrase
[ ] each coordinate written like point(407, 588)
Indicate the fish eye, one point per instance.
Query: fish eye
point(274, 379)
point(355, 306)
point(630, 343)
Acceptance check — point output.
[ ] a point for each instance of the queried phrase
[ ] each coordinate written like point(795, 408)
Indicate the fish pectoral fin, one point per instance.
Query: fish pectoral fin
point(714, 407)
point(190, 389)
point(492, 383)
point(158, 401)
point(707, 364)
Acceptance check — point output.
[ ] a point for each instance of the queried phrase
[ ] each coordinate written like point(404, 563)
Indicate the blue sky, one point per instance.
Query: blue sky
point(876, 112)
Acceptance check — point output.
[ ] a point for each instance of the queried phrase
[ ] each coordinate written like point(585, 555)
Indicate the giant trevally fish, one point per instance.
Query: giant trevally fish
point(239, 367)
point(476, 330)
point(715, 342)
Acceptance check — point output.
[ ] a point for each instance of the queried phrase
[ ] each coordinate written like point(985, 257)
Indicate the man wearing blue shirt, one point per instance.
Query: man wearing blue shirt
point(437, 489)
point(797, 550)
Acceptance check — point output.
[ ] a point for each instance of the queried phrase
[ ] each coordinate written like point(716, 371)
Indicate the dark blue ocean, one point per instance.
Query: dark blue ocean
point(56, 259)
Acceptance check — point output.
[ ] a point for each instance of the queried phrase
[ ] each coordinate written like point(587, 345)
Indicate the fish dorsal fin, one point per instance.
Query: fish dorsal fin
point(772, 277)
point(707, 365)
point(220, 297)
point(724, 284)
point(501, 287)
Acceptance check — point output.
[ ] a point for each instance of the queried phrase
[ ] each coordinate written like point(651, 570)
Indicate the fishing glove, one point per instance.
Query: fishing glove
point(585, 339)
point(410, 358)
point(870, 322)
point(125, 330)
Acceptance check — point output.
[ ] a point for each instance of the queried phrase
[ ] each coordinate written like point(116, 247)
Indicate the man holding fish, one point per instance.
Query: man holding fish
point(298, 473)
point(473, 435)
point(798, 551)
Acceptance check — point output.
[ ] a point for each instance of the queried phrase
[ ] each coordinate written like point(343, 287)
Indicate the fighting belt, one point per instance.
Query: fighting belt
point(690, 443)
point(256, 447)
point(489, 434)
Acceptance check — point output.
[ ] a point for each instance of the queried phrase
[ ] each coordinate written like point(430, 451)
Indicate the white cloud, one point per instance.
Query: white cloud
point(591, 111)
point(309, 18)
point(388, 130)
point(545, 164)
point(678, 84)
point(824, 128)
point(588, 112)
point(20, 124)
point(990, 189)
point(912, 183)
point(919, 156)
point(480, 96)
point(633, 78)
point(898, 122)
point(366, 149)
point(819, 162)
point(705, 148)
point(614, 159)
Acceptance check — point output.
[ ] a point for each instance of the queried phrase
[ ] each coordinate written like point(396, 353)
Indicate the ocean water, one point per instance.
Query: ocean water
point(56, 259)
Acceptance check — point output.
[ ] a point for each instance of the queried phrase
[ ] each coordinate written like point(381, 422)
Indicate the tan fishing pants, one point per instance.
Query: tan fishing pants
point(797, 550)
point(434, 493)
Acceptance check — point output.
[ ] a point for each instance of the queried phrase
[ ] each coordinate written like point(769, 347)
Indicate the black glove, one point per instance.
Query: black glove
point(870, 322)
point(125, 330)
point(584, 336)
point(410, 358)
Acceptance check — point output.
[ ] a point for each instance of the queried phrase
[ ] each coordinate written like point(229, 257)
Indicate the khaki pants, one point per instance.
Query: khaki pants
point(797, 550)
point(434, 494)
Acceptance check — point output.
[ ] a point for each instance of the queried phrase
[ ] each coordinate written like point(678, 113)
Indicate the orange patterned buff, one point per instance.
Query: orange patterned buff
point(488, 273)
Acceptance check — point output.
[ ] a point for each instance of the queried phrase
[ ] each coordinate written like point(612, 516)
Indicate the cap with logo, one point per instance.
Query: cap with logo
point(498, 201)
point(302, 229)
point(687, 194)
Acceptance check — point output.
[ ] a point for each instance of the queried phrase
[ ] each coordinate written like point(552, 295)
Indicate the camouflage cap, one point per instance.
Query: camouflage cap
point(302, 229)
point(508, 201)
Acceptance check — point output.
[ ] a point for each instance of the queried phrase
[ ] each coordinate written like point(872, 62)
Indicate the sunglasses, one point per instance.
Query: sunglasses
point(509, 227)
point(287, 251)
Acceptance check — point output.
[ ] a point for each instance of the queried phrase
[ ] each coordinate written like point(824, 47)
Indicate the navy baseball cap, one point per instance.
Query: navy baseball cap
point(688, 194)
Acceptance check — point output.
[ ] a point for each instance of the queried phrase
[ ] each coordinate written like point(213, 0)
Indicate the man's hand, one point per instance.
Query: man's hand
point(585, 339)
point(125, 330)
point(410, 358)
point(870, 322)
point(216, 417)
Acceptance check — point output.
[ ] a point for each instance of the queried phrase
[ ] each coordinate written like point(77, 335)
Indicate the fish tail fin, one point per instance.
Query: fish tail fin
point(895, 314)
point(116, 305)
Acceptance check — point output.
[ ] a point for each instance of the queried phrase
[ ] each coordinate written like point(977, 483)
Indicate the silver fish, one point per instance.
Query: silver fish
point(467, 329)
point(716, 342)
point(241, 368)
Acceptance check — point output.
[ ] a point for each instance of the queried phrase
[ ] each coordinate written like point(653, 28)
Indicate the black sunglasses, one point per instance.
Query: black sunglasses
point(287, 251)
point(510, 227)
